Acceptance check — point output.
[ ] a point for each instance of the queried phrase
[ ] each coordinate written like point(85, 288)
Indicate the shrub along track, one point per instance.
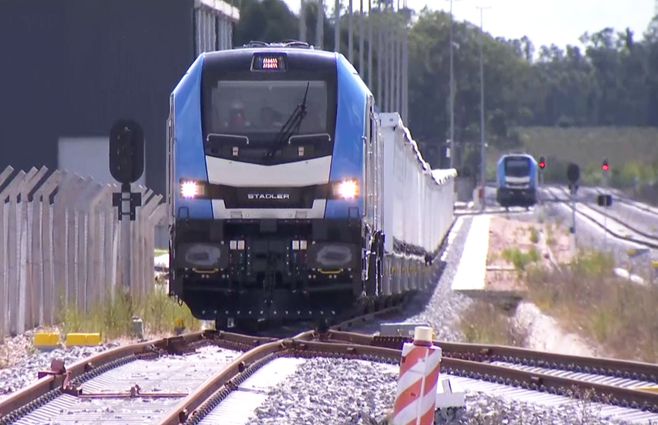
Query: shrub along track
point(607, 380)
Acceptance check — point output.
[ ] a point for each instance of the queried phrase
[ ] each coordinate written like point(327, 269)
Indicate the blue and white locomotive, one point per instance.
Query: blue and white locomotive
point(277, 170)
point(516, 177)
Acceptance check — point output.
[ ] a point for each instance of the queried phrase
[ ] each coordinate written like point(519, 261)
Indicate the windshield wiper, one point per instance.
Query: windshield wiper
point(290, 126)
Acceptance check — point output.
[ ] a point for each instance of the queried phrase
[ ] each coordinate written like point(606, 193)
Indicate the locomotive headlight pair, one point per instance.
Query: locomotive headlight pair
point(190, 189)
point(346, 189)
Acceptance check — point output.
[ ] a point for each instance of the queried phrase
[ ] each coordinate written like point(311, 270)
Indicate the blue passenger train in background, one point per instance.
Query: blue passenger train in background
point(277, 169)
point(516, 180)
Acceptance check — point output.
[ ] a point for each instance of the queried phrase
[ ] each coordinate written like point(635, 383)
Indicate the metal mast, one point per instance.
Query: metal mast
point(483, 164)
point(362, 69)
point(350, 34)
point(337, 26)
point(451, 143)
point(319, 25)
point(302, 21)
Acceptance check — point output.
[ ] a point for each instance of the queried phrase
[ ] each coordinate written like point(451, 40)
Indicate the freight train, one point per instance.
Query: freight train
point(290, 197)
point(516, 180)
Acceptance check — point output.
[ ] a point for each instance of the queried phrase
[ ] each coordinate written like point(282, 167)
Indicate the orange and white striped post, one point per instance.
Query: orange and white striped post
point(415, 400)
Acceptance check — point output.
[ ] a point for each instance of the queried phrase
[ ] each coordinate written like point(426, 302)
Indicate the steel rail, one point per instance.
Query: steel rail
point(489, 352)
point(611, 232)
point(455, 354)
point(197, 404)
point(619, 220)
point(54, 380)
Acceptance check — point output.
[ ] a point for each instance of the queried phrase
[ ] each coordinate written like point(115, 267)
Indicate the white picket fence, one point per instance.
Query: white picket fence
point(61, 244)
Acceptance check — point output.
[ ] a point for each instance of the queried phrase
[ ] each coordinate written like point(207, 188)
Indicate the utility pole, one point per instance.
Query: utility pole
point(319, 25)
point(362, 69)
point(350, 34)
point(483, 163)
point(380, 60)
point(451, 144)
point(302, 21)
point(370, 45)
point(337, 26)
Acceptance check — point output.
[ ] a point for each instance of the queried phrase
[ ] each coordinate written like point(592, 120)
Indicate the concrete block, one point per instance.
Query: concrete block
point(46, 339)
point(83, 339)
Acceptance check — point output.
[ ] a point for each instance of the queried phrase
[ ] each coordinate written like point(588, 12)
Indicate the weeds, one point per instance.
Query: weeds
point(534, 235)
point(113, 319)
point(586, 298)
point(485, 323)
point(520, 259)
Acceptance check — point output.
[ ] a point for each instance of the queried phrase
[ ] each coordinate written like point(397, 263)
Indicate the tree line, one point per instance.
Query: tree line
point(612, 81)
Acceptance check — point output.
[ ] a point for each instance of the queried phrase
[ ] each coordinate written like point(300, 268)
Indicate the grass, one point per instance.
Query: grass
point(588, 299)
point(159, 312)
point(534, 234)
point(486, 323)
point(521, 259)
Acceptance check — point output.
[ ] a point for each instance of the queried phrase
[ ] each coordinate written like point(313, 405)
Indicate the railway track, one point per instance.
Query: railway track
point(615, 227)
point(613, 383)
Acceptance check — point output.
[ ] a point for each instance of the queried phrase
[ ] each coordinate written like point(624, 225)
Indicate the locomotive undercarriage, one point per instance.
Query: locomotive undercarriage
point(241, 272)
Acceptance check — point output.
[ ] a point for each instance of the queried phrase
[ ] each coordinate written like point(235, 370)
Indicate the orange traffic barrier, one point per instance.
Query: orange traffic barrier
point(415, 400)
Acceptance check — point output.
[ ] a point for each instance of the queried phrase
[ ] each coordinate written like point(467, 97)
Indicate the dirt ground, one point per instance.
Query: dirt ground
point(552, 244)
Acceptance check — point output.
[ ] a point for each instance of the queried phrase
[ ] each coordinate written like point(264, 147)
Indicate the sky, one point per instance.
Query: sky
point(546, 22)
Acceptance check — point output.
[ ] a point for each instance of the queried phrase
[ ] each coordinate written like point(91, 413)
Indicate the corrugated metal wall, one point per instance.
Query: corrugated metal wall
point(213, 28)
point(73, 67)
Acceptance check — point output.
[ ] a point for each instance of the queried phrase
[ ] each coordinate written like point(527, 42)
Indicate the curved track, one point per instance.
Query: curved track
point(611, 382)
point(615, 227)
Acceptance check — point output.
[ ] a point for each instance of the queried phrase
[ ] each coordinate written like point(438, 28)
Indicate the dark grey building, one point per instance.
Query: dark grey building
point(70, 68)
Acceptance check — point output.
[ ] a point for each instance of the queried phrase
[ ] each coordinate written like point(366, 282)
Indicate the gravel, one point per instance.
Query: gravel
point(331, 391)
point(443, 308)
point(356, 392)
point(23, 372)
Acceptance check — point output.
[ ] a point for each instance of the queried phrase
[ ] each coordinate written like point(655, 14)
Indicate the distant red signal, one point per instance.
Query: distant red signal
point(605, 167)
point(542, 163)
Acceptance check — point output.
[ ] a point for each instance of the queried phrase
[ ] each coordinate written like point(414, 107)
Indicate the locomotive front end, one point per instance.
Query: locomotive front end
point(265, 214)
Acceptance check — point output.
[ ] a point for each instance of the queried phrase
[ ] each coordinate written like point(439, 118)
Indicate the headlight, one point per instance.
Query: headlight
point(347, 189)
point(190, 189)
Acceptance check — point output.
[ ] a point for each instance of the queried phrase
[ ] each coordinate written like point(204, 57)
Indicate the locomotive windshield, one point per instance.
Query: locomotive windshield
point(517, 167)
point(275, 120)
point(260, 108)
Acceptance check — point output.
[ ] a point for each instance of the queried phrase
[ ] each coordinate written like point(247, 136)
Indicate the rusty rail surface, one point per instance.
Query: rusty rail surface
point(487, 352)
point(55, 379)
point(203, 400)
point(469, 360)
point(62, 378)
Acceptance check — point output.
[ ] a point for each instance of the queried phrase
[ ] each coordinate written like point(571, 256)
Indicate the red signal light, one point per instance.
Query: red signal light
point(605, 167)
point(542, 165)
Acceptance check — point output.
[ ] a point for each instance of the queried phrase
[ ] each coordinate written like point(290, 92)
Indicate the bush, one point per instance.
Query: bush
point(159, 312)
point(534, 235)
point(485, 323)
point(520, 259)
point(588, 299)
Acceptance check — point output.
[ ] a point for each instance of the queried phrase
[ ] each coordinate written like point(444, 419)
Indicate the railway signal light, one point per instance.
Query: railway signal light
point(542, 162)
point(126, 151)
point(604, 200)
point(126, 164)
point(605, 167)
point(573, 173)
